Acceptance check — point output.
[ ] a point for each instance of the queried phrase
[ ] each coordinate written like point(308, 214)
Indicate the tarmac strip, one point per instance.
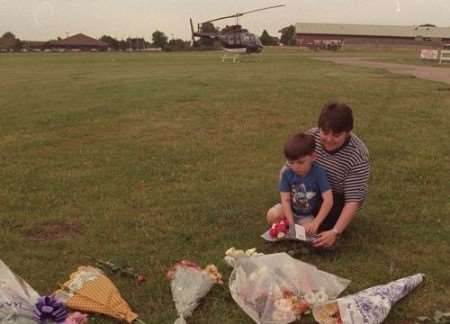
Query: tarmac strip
point(422, 72)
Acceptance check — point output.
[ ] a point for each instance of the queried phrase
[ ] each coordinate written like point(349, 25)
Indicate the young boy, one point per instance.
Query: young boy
point(306, 196)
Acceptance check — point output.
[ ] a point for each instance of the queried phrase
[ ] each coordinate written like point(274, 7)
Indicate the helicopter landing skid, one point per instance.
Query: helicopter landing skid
point(233, 57)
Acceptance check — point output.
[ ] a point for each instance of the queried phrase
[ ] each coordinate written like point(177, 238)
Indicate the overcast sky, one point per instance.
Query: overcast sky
point(46, 19)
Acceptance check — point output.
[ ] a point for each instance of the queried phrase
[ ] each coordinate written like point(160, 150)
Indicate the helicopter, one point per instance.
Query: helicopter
point(234, 39)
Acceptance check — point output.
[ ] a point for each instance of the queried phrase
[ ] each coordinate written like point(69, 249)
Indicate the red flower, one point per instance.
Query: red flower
point(301, 306)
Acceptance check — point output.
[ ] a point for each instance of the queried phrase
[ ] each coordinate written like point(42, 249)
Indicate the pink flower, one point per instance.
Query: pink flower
point(76, 318)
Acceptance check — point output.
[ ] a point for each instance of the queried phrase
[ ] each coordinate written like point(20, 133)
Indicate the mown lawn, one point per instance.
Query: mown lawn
point(146, 159)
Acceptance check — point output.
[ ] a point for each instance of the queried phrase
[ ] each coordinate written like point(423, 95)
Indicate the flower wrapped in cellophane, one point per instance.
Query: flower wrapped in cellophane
point(90, 290)
point(232, 254)
point(278, 289)
point(189, 283)
point(370, 306)
point(17, 298)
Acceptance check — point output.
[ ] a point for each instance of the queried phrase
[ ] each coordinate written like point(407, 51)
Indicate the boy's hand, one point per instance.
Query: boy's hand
point(311, 228)
point(291, 232)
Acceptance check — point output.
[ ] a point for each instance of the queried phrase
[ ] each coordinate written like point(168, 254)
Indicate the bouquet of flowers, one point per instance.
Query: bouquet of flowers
point(90, 290)
point(278, 289)
point(48, 309)
point(370, 306)
point(189, 283)
point(278, 231)
point(17, 298)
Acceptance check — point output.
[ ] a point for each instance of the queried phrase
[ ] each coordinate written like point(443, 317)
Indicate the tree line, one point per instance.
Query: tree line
point(160, 40)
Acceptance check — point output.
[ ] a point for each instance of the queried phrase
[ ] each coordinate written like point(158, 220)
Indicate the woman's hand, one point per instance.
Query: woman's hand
point(325, 239)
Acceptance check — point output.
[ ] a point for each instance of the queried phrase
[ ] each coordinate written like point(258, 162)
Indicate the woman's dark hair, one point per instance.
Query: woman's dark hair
point(336, 117)
point(299, 145)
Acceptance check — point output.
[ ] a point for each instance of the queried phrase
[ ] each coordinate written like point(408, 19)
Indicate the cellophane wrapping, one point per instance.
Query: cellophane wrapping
point(189, 285)
point(260, 285)
point(17, 298)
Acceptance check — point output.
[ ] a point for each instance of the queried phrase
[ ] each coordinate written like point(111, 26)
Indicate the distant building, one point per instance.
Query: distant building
point(78, 42)
point(7, 44)
point(34, 46)
point(308, 34)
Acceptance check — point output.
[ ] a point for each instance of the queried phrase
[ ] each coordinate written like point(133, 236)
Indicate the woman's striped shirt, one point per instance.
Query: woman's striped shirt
point(347, 169)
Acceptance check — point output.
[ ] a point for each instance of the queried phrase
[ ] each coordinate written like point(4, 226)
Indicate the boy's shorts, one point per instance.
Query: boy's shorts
point(303, 220)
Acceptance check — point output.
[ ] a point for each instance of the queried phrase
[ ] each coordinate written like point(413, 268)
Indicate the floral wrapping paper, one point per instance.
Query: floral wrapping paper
point(370, 306)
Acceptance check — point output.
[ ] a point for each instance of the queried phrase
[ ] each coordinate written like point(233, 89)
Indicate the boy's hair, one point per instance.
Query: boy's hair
point(336, 117)
point(299, 145)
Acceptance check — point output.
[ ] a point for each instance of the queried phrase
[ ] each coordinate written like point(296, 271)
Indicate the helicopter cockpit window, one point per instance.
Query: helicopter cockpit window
point(237, 39)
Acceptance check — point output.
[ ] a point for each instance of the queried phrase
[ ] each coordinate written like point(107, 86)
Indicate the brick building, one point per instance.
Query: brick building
point(308, 34)
point(78, 42)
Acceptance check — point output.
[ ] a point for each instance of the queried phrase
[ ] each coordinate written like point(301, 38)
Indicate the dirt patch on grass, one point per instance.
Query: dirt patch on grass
point(53, 230)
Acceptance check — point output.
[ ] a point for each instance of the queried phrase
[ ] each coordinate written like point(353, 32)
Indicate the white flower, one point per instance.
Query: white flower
point(250, 252)
point(283, 304)
point(310, 298)
point(321, 296)
point(280, 235)
point(230, 261)
point(280, 316)
point(230, 251)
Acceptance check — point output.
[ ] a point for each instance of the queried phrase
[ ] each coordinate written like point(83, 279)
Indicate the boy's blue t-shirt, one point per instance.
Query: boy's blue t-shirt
point(306, 192)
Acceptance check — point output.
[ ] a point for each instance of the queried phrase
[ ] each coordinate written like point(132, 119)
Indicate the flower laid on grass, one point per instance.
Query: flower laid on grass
point(90, 290)
point(112, 267)
point(214, 273)
point(232, 253)
point(17, 298)
point(278, 289)
point(76, 318)
point(49, 310)
point(189, 283)
point(370, 306)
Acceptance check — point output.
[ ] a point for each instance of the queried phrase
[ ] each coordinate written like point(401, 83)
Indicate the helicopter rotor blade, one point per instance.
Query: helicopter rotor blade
point(239, 14)
point(261, 9)
point(226, 17)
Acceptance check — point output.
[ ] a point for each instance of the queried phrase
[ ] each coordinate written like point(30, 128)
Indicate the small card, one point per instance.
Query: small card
point(300, 233)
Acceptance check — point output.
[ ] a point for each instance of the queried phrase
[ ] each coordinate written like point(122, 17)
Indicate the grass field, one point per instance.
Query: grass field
point(146, 159)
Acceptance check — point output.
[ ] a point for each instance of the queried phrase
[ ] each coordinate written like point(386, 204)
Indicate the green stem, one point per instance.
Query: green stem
point(137, 320)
